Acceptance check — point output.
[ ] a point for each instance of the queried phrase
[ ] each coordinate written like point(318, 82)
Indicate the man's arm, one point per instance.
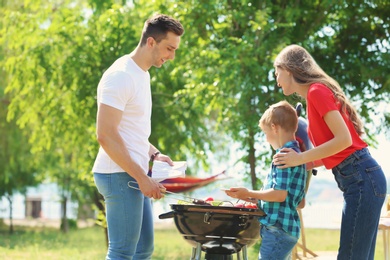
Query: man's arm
point(108, 136)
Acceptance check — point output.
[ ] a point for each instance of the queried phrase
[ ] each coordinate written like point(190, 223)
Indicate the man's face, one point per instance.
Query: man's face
point(165, 49)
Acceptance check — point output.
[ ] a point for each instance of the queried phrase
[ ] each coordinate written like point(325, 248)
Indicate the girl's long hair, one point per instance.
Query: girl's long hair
point(305, 70)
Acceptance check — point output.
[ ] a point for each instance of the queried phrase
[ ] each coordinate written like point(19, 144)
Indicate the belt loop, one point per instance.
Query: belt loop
point(359, 153)
point(355, 154)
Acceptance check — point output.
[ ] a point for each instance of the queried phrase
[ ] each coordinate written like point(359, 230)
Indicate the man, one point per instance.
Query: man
point(123, 130)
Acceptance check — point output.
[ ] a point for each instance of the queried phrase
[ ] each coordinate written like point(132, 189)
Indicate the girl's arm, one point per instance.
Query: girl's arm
point(342, 139)
point(314, 164)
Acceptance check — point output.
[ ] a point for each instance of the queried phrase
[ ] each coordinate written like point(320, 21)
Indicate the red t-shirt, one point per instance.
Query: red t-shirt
point(320, 100)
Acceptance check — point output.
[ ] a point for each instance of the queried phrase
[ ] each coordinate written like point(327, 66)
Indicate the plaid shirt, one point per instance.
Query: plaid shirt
point(293, 180)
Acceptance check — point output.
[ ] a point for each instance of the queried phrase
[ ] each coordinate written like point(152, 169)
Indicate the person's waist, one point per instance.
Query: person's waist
point(358, 154)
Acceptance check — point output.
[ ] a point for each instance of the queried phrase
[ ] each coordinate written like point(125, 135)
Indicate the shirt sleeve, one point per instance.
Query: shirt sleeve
point(322, 99)
point(116, 89)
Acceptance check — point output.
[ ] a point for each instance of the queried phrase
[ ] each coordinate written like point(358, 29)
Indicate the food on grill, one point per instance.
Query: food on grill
point(250, 206)
point(213, 202)
point(216, 203)
point(209, 199)
point(183, 202)
point(194, 201)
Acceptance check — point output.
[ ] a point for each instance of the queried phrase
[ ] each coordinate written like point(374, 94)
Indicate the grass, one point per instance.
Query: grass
point(89, 243)
point(50, 243)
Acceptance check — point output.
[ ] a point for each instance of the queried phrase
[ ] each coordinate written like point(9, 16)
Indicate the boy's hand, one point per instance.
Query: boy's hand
point(238, 193)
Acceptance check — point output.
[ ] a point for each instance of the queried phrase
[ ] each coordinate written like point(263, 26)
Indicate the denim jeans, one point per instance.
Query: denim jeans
point(363, 184)
point(129, 217)
point(276, 244)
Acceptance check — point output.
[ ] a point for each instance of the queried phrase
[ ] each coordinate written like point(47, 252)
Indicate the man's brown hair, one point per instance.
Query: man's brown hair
point(158, 27)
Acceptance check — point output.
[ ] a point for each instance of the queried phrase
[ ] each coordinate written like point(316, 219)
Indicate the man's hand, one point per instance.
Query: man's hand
point(163, 158)
point(150, 188)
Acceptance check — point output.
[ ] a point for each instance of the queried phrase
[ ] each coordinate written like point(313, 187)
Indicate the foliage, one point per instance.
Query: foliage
point(46, 98)
point(16, 161)
point(72, 223)
point(205, 102)
point(17, 165)
point(230, 45)
point(353, 46)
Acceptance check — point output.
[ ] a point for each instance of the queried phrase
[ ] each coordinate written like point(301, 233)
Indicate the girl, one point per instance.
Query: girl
point(335, 131)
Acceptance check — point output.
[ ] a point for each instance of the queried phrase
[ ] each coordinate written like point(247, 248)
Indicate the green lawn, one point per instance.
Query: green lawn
point(89, 243)
point(48, 243)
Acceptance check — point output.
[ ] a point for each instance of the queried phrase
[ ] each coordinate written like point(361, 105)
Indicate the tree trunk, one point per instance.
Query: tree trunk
point(252, 159)
point(11, 224)
point(64, 221)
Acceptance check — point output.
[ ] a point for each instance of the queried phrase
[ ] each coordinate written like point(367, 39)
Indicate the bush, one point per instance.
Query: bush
point(72, 224)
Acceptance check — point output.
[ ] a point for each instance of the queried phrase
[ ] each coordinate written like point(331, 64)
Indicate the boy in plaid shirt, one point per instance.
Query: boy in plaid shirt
point(284, 189)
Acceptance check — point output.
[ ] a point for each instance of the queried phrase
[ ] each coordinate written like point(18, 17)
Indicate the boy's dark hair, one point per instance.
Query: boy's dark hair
point(282, 114)
point(158, 26)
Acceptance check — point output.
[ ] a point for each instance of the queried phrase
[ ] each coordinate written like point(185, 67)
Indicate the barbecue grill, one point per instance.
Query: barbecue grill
point(219, 231)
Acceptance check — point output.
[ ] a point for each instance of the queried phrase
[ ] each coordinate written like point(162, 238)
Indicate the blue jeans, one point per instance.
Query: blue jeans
point(129, 217)
point(276, 244)
point(363, 184)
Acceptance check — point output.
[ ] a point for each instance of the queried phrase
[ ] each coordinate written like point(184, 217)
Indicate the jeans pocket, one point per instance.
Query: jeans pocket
point(346, 176)
point(378, 180)
point(103, 183)
point(272, 230)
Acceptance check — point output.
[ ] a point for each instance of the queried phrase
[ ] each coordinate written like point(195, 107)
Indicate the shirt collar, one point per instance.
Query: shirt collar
point(289, 144)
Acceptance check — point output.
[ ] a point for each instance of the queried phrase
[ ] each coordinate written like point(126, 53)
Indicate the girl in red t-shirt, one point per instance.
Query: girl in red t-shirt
point(335, 130)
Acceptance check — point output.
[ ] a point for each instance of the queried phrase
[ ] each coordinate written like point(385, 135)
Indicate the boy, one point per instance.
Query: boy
point(283, 190)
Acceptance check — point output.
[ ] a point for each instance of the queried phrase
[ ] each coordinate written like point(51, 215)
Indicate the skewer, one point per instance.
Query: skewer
point(193, 200)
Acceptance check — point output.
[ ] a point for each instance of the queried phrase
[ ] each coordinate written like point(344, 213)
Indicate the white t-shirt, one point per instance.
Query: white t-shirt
point(125, 86)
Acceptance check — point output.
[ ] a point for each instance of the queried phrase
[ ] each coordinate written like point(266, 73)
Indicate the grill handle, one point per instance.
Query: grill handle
point(169, 214)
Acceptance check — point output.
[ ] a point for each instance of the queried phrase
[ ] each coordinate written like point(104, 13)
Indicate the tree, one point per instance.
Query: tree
point(230, 46)
point(211, 96)
point(41, 91)
point(65, 50)
point(17, 168)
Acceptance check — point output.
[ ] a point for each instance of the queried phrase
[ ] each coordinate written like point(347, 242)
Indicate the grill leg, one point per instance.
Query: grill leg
point(239, 255)
point(196, 252)
point(244, 253)
point(193, 253)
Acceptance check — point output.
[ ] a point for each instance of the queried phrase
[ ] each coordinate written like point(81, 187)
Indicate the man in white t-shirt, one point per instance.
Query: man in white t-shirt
point(123, 130)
